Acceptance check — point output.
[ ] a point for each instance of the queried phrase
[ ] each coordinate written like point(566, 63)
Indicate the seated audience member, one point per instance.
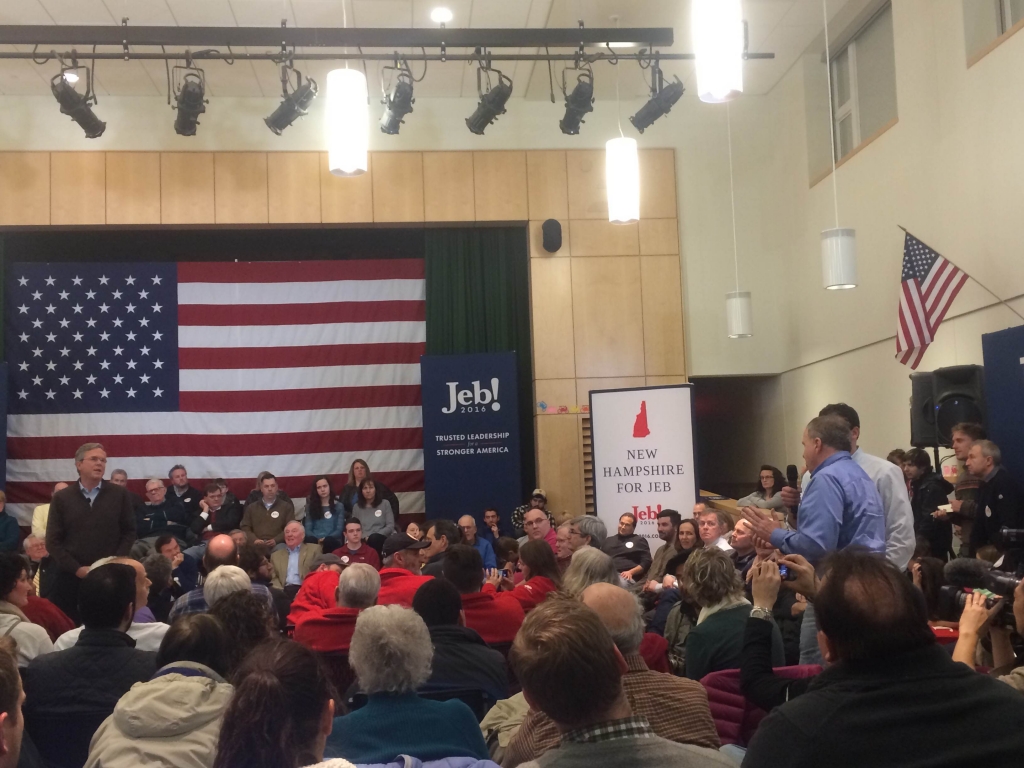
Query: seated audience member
point(716, 642)
point(239, 536)
point(687, 541)
point(281, 712)
point(354, 550)
point(41, 513)
point(247, 622)
point(563, 552)
point(36, 556)
point(184, 568)
point(252, 559)
point(400, 577)
point(173, 720)
point(160, 514)
point(668, 531)
point(787, 610)
point(495, 617)
point(390, 655)
point(467, 527)
point(48, 616)
point(256, 493)
point(317, 593)
point(538, 500)
point(1000, 503)
point(10, 533)
point(12, 698)
point(217, 513)
point(72, 692)
point(325, 515)
point(265, 518)
point(675, 708)
point(929, 491)
point(742, 544)
point(758, 680)
point(540, 576)
point(441, 534)
point(374, 512)
point(462, 659)
point(161, 597)
point(293, 562)
point(715, 527)
point(892, 696)
point(182, 493)
point(413, 531)
point(573, 673)
point(350, 494)
point(506, 552)
point(586, 531)
point(223, 581)
point(220, 550)
point(493, 528)
point(630, 553)
point(120, 477)
point(769, 490)
point(538, 526)
point(588, 566)
point(32, 639)
point(330, 630)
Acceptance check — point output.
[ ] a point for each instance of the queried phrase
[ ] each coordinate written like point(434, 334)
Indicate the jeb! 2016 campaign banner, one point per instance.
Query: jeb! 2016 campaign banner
point(643, 455)
point(470, 434)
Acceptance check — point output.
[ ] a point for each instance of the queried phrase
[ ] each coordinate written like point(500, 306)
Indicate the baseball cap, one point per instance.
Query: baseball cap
point(397, 542)
point(539, 492)
point(326, 559)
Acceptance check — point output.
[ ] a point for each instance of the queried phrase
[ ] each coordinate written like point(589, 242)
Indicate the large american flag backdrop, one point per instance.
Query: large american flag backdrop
point(229, 368)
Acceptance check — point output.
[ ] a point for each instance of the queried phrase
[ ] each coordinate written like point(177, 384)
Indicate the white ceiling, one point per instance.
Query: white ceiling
point(784, 27)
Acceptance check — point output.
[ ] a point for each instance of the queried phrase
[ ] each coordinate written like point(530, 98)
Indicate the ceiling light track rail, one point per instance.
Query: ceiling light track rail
point(42, 56)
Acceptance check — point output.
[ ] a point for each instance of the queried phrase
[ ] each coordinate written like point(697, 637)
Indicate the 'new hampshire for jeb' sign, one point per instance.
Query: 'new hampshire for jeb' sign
point(470, 434)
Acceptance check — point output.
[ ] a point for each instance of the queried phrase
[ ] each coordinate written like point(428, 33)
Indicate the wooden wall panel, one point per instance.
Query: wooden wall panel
point(658, 184)
point(500, 186)
point(663, 316)
point(448, 186)
point(187, 188)
point(559, 463)
point(398, 186)
point(24, 188)
point(293, 183)
point(537, 240)
point(240, 187)
point(607, 316)
point(659, 237)
point(551, 301)
point(595, 237)
point(546, 185)
point(664, 381)
point(583, 386)
point(346, 199)
point(554, 393)
point(588, 196)
point(133, 188)
point(78, 183)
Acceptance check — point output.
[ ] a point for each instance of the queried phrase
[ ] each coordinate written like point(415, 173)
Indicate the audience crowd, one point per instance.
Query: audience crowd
point(814, 627)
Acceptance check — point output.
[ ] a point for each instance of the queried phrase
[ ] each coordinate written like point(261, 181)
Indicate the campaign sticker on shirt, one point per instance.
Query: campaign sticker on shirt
point(275, 514)
point(988, 511)
point(327, 515)
point(378, 513)
point(187, 501)
point(629, 545)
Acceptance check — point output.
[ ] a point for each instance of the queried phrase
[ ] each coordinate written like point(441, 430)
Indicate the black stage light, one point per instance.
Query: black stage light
point(492, 103)
point(294, 104)
point(663, 98)
point(191, 102)
point(76, 106)
point(398, 103)
point(578, 103)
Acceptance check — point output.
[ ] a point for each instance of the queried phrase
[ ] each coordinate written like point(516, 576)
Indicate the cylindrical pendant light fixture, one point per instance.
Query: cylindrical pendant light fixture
point(839, 259)
point(739, 316)
point(718, 42)
point(622, 178)
point(348, 130)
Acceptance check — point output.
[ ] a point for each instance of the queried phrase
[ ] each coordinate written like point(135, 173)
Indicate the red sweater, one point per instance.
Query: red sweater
point(41, 611)
point(327, 631)
point(496, 618)
point(316, 594)
point(398, 586)
point(365, 554)
point(530, 593)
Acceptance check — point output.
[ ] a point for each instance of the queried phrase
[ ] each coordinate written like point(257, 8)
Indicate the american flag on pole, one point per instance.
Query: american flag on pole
point(929, 285)
point(229, 368)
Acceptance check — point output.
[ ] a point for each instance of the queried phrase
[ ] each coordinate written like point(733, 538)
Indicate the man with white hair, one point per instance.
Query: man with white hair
point(224, 581)
point(330, 630)
point(160, 515)
point(677, 709)
point(586, 531)
point(391, 655)
point(999, 498)
point(293, 562)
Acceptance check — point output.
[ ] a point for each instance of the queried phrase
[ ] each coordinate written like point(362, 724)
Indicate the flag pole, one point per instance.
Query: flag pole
point(972, 277)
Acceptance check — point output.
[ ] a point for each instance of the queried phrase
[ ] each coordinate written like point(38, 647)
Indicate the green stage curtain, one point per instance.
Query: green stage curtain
point(478, 300)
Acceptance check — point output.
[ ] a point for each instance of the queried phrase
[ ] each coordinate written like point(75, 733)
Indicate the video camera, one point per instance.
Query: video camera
point(966, 576)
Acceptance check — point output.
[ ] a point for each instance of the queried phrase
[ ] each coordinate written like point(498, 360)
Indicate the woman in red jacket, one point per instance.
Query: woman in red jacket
point(540, 575)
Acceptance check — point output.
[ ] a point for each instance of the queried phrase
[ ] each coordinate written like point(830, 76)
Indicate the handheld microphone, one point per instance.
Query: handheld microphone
point(792, 476)
point(966, 572)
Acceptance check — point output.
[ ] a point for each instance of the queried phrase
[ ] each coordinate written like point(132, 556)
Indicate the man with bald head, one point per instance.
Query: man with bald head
point(467, 527)
point(221, 550)
point(676, 708)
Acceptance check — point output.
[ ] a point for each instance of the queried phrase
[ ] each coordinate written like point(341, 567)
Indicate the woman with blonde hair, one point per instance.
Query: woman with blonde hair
point(589, 566)
point(349, 496)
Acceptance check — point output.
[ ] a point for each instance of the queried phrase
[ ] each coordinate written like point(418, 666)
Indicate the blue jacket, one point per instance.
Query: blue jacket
point(10, 534)
point(156, 519)
point(486, 552)
point(324, 527)
point(840, 508)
